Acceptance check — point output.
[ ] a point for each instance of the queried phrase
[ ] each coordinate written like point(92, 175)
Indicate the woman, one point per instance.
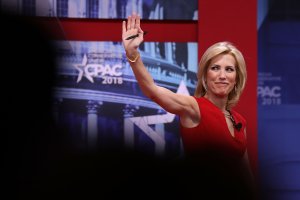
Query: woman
point(210, 129)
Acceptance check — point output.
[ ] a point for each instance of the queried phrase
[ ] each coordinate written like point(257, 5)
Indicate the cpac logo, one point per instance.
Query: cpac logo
point(109, 73)
point(271, 92)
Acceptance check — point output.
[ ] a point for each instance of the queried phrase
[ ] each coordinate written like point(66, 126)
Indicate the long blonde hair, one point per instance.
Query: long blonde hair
point(212, 52)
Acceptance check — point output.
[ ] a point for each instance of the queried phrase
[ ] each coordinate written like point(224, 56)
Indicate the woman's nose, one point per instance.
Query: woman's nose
point(222, 74)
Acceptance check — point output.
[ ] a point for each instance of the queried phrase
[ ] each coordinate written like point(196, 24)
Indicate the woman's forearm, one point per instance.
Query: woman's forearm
point(143, 78)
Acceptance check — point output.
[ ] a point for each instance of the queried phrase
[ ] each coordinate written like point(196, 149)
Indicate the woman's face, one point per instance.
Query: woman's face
point(221, 75)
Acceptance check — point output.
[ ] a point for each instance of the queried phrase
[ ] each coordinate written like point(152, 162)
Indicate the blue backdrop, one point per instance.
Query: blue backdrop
point(278, 100)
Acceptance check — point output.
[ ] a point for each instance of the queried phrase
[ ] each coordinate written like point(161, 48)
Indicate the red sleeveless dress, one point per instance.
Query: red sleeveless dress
point(213, 157)
point(212, 133)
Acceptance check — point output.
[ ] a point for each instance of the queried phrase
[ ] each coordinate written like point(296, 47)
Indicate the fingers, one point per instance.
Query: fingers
point(133, 18)
point(129, 22)
point(138, 23)
point(123, 27)
point(133, 21)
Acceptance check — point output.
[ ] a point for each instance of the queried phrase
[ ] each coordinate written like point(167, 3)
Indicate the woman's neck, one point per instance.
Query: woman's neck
point(218, 101)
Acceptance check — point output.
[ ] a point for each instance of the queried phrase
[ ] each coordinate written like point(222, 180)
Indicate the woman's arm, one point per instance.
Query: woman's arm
point(182, 105)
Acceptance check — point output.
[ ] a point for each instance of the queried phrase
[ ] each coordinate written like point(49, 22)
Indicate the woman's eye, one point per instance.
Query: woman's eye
point(214, 68)
point(229, 69)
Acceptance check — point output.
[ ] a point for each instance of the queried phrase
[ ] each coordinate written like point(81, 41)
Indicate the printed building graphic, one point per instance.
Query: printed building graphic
point(96, 96)
point(148, 9)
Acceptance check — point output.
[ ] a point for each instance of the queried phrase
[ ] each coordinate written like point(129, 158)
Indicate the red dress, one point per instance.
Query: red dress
point(212, 133)
point(213, 156)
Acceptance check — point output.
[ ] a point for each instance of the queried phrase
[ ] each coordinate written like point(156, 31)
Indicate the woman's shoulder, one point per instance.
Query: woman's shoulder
point(201, 99)
point(204, 102)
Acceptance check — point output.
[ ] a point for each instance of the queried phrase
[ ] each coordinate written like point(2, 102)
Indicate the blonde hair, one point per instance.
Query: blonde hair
point(212, 52)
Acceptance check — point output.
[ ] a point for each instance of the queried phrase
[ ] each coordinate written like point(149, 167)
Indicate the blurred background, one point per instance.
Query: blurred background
point(279, 98)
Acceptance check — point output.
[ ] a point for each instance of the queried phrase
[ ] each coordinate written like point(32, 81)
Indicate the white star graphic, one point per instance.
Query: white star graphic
point(143, 123)
point(81, 68)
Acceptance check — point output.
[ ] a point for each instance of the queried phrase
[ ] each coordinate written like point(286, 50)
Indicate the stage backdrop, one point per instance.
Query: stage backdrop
point(278, 99)
point(96, 96)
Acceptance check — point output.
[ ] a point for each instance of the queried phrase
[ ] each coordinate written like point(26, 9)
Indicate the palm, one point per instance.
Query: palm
point(132, 28)
point(132, 43)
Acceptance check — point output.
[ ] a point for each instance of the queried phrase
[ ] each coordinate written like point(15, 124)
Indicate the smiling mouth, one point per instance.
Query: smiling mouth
point(221, 83)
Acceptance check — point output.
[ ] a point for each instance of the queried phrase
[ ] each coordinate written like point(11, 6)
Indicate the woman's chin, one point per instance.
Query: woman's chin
point(222, 94)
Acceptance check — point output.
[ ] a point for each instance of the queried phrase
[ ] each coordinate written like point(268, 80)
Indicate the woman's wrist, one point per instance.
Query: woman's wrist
point(133, 56)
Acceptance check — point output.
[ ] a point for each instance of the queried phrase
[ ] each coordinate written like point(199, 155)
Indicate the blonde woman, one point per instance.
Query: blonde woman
point(211, 130)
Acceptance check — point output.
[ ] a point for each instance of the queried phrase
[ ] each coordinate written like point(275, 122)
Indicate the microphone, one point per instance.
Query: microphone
point(237, 126)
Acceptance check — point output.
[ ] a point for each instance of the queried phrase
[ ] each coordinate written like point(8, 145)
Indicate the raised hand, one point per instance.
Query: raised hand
point(132, 28)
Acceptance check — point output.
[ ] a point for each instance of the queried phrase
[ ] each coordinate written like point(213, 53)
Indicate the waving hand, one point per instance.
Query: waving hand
point(132, 27)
